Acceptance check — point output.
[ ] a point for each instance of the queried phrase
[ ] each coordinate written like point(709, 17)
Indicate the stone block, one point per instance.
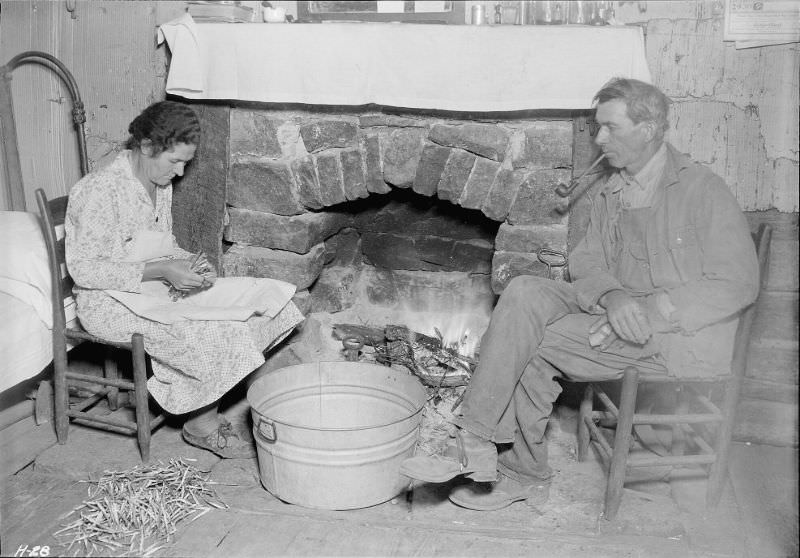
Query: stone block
point(504, 189)
point(486, 140)
point(263, 186)
point(440, 297)
point(536, 201)
point(302, 299)
point(431, 166)
point(402, 149)
point(390, 121)
point(456, 173)
point(507, 265)
point(254, 134)
point(419, 219)
point(374, 166)
point(355, 183)
point(198, 200)
point(327, 134)
point(392, 251)
point(548, 144)
point(294, 233)
point(530, 238)
point(305, 176)
point(331, 188)
point(479, 183)
point(333, 291)
point(343, 248)
point(253, 261)
point(474, 256)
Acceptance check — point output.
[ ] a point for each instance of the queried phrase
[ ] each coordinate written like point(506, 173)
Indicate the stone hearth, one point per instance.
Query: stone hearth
point(348, 202)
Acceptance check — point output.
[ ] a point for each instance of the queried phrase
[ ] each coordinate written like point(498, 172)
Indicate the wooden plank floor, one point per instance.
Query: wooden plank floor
point(650, 524)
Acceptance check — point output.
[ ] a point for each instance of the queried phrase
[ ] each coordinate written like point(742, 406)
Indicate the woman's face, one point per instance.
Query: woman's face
point(162, 168)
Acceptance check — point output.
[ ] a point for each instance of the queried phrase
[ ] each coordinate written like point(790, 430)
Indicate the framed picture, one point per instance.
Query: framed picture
point(425, 11)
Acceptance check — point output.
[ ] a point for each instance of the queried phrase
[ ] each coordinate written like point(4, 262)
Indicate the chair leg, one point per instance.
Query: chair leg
point(719, 469)
point(60, 394)
point(678, 434)
point(141, 396)
point(585, 414)
point(110, 371)
point(622, 442)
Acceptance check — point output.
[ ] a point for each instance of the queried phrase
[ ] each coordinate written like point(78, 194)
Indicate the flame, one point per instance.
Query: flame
point(461, 331)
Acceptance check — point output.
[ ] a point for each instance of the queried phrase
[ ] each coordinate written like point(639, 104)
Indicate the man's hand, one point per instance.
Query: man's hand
point(626, 316)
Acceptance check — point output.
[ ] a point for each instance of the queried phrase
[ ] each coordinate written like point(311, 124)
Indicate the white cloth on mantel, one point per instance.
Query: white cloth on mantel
point(445, 67)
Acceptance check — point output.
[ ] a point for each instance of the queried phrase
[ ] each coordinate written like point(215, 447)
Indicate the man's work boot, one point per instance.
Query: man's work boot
point(498, 495)
point(468, 455)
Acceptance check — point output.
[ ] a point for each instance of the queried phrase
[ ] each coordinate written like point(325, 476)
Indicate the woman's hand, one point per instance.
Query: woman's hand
point(177, 273)
point(627, 317)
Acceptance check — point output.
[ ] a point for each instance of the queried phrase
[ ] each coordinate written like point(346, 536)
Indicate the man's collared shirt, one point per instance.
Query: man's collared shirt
point(638, 190)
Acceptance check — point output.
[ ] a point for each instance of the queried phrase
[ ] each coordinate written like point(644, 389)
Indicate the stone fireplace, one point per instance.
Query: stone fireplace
point(422, 210)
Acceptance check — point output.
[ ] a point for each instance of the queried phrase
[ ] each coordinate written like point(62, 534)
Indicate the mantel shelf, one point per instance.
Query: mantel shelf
point(444, 67)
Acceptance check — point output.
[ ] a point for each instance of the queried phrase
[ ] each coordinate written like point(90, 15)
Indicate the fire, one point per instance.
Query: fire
point(459, 331)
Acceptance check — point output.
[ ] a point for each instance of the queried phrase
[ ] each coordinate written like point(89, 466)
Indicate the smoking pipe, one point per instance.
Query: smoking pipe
point(565, 190)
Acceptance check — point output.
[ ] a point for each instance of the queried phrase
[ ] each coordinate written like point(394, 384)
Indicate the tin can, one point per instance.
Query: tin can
point(477, 14)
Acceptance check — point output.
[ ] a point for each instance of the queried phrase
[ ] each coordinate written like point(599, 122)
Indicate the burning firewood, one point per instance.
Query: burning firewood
point(426, 356)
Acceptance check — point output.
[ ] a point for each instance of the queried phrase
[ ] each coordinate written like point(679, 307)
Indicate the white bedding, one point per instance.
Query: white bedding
point(25, 308)
point(25, 342)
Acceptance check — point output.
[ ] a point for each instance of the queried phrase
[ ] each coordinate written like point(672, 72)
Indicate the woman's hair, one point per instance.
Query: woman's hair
point(644, 102)
point(165, 124)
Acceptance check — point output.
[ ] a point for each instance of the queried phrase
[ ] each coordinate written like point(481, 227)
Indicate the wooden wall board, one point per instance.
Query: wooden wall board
point(110, 48)
point(759, 131)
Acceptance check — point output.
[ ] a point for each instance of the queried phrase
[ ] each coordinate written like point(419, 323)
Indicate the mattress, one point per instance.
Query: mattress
point(25, 311)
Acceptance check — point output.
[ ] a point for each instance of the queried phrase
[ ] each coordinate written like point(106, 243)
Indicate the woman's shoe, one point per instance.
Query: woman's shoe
point(227, 441)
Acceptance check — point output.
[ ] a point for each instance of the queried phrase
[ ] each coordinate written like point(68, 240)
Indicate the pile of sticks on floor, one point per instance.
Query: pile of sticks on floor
point(135, 512)
point(425, 356)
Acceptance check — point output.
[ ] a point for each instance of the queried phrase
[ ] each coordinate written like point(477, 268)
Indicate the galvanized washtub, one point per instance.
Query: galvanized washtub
point(332, 435)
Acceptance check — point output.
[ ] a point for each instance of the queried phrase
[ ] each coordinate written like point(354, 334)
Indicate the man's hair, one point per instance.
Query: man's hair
point(165, 124)
point(644, 102)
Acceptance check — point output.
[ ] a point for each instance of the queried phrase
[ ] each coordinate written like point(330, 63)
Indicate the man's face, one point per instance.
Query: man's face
point(625, 143)
point(168, 164)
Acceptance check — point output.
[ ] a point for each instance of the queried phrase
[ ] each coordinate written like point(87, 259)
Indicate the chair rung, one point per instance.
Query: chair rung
point(127, 426)
point(84, 336)
point(605, 400)
point(697, 438)
point(122, 384)
point(598, 437)
point(706, 402)
point(89, 401)
point(675, 419)
point(671, 460)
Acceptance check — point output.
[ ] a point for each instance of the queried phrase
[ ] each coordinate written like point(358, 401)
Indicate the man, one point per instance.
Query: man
point(665, 267)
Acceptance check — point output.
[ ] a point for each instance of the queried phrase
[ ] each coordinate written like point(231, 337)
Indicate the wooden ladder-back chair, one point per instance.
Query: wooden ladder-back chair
point(52, 214)
point(52, 219)
point(698, 423)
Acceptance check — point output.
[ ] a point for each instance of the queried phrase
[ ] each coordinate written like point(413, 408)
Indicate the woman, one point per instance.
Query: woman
point(122, 256)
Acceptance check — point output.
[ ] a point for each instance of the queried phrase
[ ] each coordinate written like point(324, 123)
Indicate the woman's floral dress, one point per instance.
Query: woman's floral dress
point(194, 362)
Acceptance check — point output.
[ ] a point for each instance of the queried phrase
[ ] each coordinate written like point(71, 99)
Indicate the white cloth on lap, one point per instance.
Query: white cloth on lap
point(231, 298)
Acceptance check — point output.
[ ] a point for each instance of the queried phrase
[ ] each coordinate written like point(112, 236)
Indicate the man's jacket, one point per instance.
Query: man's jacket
point(699, 251)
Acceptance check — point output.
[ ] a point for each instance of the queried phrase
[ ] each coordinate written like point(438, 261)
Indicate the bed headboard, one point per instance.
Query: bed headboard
point(14, 189)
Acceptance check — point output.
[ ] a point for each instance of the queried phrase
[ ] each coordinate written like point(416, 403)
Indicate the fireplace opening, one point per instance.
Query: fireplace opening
point(410, 259)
